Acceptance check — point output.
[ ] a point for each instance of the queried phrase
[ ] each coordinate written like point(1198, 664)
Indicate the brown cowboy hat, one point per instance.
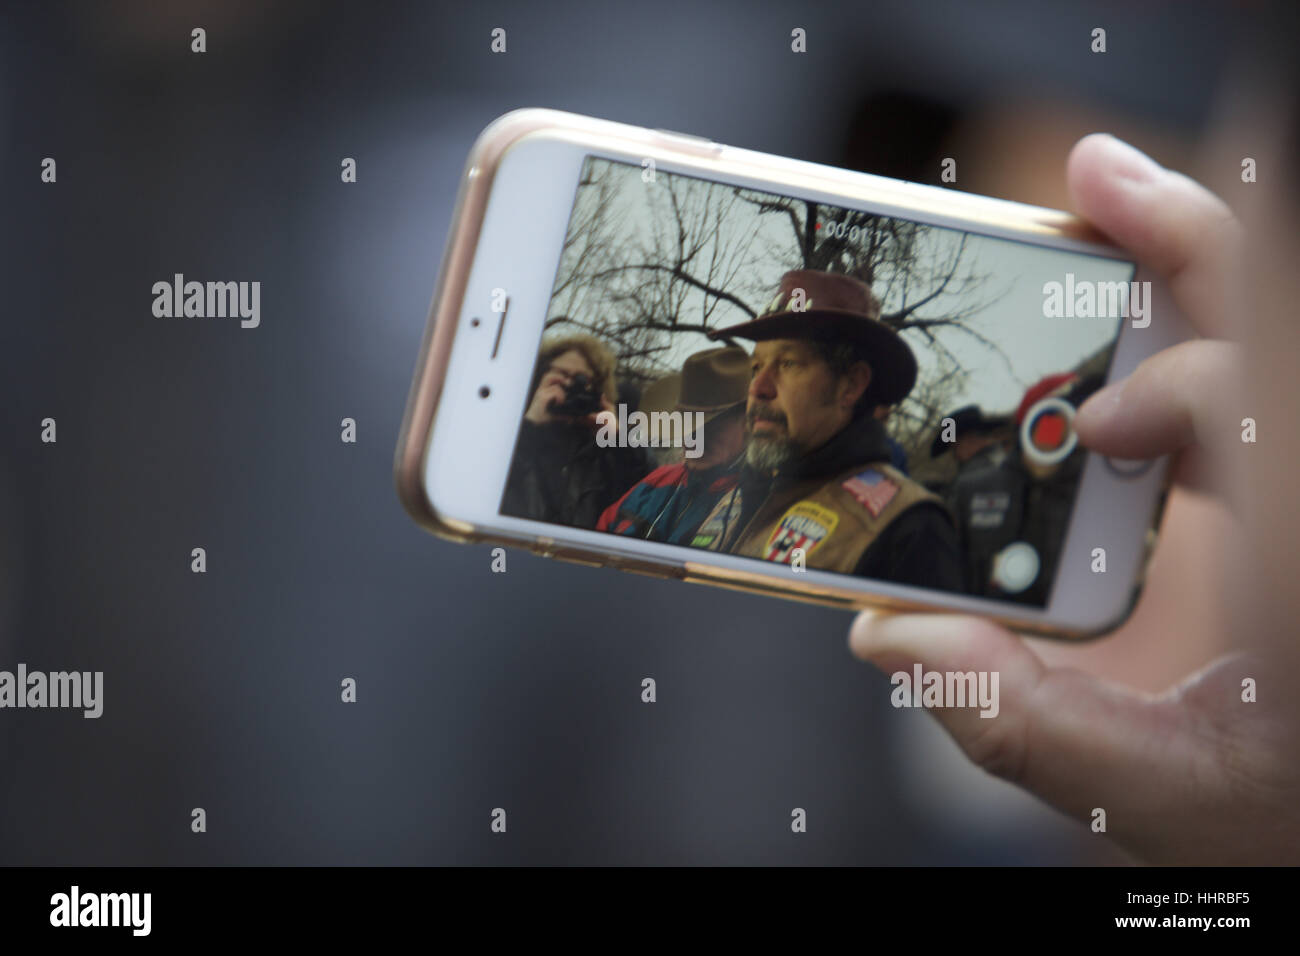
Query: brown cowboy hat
point(835, 308)
point(713, 381)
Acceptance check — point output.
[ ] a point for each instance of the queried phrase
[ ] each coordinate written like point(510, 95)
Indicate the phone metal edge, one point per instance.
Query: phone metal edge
point(415, 436)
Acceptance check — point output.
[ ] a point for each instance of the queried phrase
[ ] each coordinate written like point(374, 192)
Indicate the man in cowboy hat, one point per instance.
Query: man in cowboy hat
point(670, 502)
point(816, 480)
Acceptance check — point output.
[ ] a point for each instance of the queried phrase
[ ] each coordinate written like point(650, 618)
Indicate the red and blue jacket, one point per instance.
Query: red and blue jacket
point(668, 504)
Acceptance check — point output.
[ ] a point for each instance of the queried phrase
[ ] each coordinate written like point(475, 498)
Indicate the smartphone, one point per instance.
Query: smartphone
point(652, 352)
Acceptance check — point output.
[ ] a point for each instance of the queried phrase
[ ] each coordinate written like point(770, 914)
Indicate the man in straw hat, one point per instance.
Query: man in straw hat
point(816, 487)
point(670, 502)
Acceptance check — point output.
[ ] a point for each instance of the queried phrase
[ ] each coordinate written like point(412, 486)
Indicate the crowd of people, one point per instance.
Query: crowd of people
point(796, 464)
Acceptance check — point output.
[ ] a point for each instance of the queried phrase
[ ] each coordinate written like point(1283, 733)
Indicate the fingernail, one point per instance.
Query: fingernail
point(1131, 163)
point(1101, 406)
point(860, 634)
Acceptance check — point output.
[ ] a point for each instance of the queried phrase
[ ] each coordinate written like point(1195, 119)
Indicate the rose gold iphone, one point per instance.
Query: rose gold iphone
point(656, 353)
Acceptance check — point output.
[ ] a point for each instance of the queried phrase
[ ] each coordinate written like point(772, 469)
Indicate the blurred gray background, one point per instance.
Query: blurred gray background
point(475, 690)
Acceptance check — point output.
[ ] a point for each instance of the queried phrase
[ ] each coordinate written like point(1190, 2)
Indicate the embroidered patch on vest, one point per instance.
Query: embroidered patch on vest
point(989, 509)
point(709, 535)
point(805, 526)
point(873, 489)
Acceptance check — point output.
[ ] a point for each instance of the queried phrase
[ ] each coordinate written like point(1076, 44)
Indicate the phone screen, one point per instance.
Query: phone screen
point(734, 370)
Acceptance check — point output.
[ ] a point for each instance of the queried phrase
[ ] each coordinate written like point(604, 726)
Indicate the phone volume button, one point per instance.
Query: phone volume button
point(576, 556)
point(648, 568)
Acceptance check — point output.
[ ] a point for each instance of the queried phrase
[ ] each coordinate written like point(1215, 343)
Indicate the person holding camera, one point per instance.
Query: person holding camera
point(559, 473)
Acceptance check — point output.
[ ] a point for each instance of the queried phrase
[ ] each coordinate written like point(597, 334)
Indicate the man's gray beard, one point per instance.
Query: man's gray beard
point(765, 454)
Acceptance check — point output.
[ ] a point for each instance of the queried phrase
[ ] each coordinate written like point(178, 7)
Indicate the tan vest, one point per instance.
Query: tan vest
point(832, 520)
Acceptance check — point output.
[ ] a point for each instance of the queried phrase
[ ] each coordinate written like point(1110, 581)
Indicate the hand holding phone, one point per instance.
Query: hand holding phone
point(1201, 774)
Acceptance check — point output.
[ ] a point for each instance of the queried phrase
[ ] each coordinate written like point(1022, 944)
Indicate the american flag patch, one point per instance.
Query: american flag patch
point(873, 489)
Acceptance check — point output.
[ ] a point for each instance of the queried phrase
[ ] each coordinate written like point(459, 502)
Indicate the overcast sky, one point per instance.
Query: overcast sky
point(1035, 346)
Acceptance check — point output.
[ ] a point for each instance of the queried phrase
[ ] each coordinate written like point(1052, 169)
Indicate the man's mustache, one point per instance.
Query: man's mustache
point(764, 414)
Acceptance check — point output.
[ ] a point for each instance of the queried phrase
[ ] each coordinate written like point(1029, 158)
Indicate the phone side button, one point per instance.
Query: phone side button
point(644, 567)
point(574, 556)
point(695, 144)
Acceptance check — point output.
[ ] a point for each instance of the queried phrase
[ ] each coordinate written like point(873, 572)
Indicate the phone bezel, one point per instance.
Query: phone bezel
point(500, 201)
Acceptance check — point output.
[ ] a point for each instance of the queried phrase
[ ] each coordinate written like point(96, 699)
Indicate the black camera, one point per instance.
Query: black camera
point(580, 398)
